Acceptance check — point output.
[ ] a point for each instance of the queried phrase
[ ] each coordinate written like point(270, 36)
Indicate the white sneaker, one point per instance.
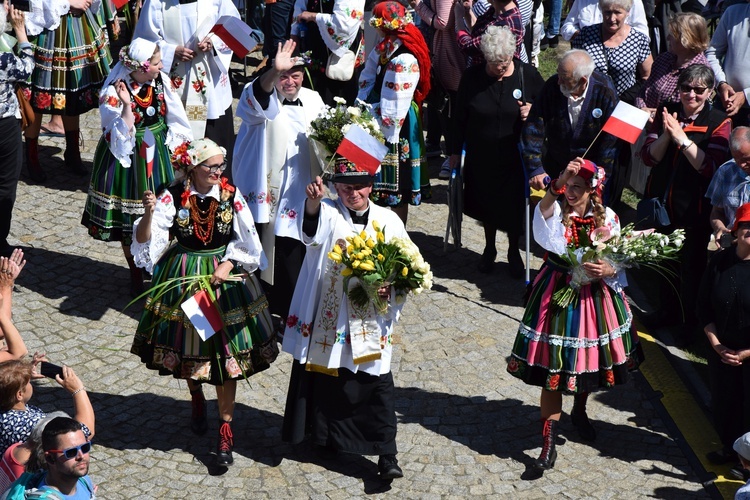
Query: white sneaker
point(445, 170)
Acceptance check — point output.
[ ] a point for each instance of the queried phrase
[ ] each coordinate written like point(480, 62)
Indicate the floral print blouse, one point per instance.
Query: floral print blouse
point(14, 68)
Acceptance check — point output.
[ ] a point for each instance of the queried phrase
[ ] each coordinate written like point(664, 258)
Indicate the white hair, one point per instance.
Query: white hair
point(498, 43)
point(579, 61)
point(626, 5)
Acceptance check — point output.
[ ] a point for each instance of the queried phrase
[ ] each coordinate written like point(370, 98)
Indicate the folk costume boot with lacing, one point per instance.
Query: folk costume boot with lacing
point(198, 420)
point(226, 444)
point(580, 419)
point(548, 456)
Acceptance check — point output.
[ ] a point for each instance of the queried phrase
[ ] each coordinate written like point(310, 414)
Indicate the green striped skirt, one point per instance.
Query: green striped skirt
point(166, 341)
point(71, 64)
point(115, 193)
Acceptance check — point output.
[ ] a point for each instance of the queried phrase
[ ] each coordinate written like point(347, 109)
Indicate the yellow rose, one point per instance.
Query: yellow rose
point(346, 272)
point(404, 271)
point(226, 216)
point(334, 256)
point(58, 101)
point(336, 249)
point(355, 264)
point(349, 249)
point(367, 266)
point(357, 241)
point(381, 257)
point(363, 235)
point(359, 255)
point(370, 243)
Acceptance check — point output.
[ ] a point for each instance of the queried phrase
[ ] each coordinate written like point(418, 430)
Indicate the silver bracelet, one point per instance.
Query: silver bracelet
point(77, 391)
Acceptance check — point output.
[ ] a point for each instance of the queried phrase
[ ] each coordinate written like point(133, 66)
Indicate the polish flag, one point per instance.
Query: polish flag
point(362, 149)
point(238, 36)
point(147, 151)
point(203, 314)
point(626, 122)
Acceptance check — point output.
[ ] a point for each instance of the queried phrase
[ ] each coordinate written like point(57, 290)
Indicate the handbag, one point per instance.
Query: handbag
point(27, 112)
point(340, 68)
point(652, 213)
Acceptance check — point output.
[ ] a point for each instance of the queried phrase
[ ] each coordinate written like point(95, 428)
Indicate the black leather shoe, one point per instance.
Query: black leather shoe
point(554, 42)
point(388, 467)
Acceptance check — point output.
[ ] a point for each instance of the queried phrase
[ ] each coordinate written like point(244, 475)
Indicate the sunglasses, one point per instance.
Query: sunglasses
point(216, 168)
point(697, 90)
point(71, 453)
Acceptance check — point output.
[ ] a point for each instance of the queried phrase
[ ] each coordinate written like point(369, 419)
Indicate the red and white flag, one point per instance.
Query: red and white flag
point(148, 146)
point(238, 36)
point(362, 149)
point(203, 314)
point(626, 122)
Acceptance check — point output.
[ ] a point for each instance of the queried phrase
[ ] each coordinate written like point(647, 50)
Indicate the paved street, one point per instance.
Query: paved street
point(466, 428)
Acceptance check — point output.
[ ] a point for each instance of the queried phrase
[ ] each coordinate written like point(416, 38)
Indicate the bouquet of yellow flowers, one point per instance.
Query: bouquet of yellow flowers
point(378, 264)
point(329, 128)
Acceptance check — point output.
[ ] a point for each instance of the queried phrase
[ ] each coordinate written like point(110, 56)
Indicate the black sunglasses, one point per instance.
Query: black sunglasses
point(697, 90)
point(71, 453)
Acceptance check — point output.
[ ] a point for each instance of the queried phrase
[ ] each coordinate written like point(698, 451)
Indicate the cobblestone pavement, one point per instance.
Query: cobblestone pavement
point(466, 428)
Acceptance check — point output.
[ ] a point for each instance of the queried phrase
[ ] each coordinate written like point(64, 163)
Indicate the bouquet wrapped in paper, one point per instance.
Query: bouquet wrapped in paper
point(377, 264)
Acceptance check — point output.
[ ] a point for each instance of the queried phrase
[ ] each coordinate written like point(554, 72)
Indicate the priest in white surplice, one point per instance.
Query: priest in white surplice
point(197, 63)
point(273, 165)
point(341, 391)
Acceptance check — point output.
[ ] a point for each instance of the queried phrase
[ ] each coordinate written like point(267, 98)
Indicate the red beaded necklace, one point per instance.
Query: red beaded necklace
point(580, 223)
point(203, 220)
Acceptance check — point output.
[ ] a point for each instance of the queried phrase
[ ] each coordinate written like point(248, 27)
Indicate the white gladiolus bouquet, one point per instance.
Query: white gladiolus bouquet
point(630, 249)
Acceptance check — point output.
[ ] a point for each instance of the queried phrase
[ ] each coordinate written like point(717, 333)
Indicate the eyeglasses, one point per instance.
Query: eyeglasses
point(215, 168)
point(697, 90)
point(71, 453)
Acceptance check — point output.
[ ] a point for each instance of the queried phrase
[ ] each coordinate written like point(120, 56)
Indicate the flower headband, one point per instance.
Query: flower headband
point(191, 154)
point(390, 16)
point(137, 56)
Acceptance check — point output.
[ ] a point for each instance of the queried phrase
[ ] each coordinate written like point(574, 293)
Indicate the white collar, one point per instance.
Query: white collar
point(214, 192)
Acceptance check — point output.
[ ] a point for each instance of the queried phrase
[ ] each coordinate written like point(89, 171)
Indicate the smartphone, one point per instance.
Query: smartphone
point(726, 240)
point(49, 370)
point(21, 5)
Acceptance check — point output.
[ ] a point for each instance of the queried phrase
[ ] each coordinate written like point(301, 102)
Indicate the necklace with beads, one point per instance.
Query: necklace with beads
point(146, 101)
point(203, 220)
point(578, 224)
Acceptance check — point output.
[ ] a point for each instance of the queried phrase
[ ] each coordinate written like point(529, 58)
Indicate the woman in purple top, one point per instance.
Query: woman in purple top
point(687, 39)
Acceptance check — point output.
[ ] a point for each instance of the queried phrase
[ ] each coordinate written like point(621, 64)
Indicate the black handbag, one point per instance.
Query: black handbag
point(651, 213)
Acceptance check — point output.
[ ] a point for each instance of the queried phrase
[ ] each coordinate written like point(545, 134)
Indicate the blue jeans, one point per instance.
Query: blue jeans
point(553, 26)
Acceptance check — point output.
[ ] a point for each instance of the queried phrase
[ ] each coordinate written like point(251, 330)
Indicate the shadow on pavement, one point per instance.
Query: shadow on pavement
point(511, 429)
point(88, 287)
point(59, 177)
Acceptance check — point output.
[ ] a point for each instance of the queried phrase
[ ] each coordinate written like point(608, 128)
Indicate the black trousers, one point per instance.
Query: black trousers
point(277, 22)
point(10, 169)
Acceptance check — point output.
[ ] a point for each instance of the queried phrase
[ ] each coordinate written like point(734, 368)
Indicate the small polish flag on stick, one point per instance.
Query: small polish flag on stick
point(362, 149)
point(626, 122)
point(203, 314)
point(147, 151)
